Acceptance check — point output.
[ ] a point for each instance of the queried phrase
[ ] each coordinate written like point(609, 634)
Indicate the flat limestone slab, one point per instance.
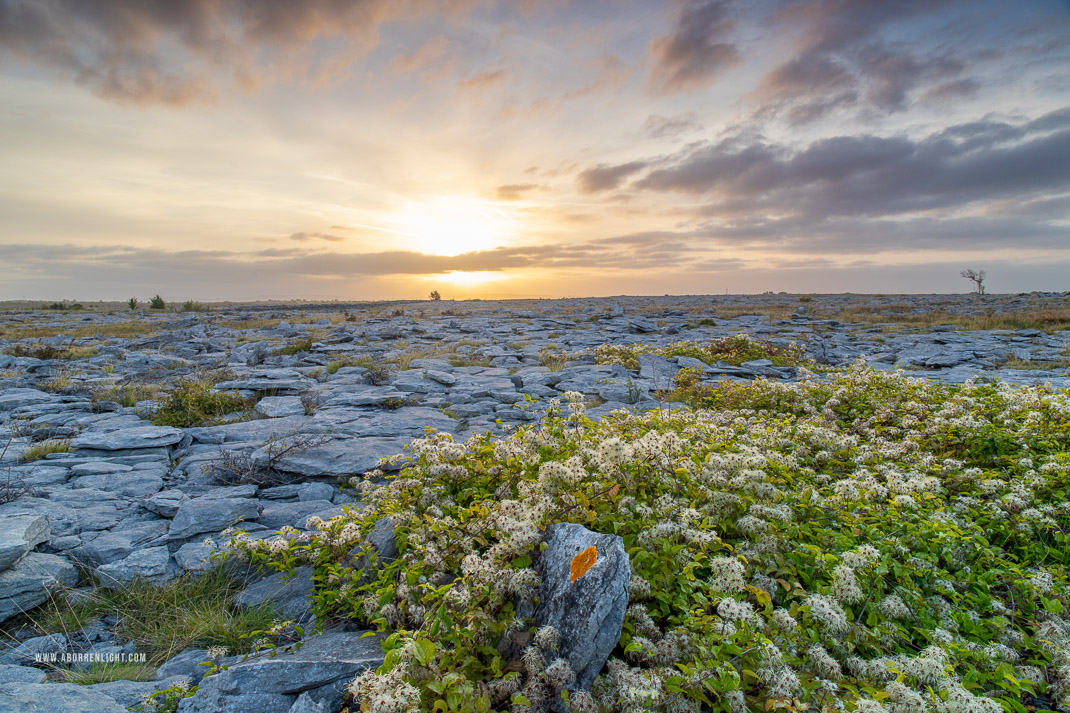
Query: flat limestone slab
point(53, 697)
point(128, 438)
point(27, 584)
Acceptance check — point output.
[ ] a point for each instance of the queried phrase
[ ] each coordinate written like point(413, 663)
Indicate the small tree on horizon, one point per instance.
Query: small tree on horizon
point(435, 296)
point(978, 278)
point(132, 303)
point(157, 302)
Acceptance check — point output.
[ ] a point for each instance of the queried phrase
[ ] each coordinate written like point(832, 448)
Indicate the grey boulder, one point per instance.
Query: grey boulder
point(201, 515)
point(19, 534)
point(658, 368)
point(130, 694)
point(152, 564)
point(348, 456)
point(587, 612)
point(32, 650)
point(272, 684)
point(280, 406)
point(289, 596)
point(28, 583)
point(52, 697)
point(20, 674)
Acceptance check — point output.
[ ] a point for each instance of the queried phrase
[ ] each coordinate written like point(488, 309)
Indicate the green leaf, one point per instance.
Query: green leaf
point(424, 651)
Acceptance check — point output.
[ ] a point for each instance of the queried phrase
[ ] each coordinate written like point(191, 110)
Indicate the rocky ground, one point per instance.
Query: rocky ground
point(333, 389)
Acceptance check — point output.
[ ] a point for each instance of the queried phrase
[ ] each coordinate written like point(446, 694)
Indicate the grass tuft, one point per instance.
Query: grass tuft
point(162, 620)
point(39, 450)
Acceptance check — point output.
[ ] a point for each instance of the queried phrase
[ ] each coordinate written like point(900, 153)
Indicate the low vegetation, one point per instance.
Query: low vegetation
point(163, 619)
point(863, 543)
point(105, 672)
point(457, 360)
point(295, 347)
point(235, 467)
point(195, 403)
point(65, 306)
point(45, 351)
point(191, 306)
point(1047, 319)
point(128, 394)
point(115, 329)
point(733, 350)
point(39, 450)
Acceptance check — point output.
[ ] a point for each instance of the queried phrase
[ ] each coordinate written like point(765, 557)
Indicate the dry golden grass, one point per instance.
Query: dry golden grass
point(1048, 319)
point(118, 329)
point(249, 323)
point(773, 311)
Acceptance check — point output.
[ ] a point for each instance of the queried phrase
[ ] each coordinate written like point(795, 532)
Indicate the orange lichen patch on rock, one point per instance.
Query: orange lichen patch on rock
point(583, 562)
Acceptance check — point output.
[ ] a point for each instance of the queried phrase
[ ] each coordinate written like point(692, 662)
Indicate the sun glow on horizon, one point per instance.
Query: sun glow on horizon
point(470, 278)
point(453, 225)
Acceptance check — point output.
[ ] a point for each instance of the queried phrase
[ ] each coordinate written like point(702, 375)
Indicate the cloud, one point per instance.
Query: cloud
point(482, 80)
point(842, 60)
point(98, 268)
point(430, 60)
point(876, 176)
point(670, 127)
point(177, 52)
point(302, 237)
point(605, 178)
point(515, 191)
point(695, 54)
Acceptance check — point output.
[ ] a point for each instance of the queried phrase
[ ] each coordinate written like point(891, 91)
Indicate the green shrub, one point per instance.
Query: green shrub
point(863, 543)
point(553, 360)
point(295, 347)
point(132, 303)
point(195, 404)
point(191, 306)
point(377, 375)
point(734, 350)
point(157, 302)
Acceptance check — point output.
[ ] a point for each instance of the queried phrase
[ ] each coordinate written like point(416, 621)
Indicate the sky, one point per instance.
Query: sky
point(381, 149)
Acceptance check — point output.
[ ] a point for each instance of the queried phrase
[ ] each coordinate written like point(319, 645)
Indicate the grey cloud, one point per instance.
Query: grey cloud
point(97, 268)
point(866, 236)
point(172, 51)
point(667, 127)
point(605, 177)
point(843, 61)
point(965, 88)
point(697, 51)
point(871, 175)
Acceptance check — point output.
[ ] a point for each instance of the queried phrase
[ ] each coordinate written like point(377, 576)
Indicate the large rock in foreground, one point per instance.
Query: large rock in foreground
point(584, 594)
point(265, 684)
point(28, 583)
point(200, 515)
point(53, 697)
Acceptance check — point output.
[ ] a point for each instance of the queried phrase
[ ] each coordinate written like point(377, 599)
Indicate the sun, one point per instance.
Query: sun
point(452, 225)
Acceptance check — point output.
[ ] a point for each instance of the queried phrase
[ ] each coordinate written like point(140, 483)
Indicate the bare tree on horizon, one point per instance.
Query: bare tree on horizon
point(978, 277)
